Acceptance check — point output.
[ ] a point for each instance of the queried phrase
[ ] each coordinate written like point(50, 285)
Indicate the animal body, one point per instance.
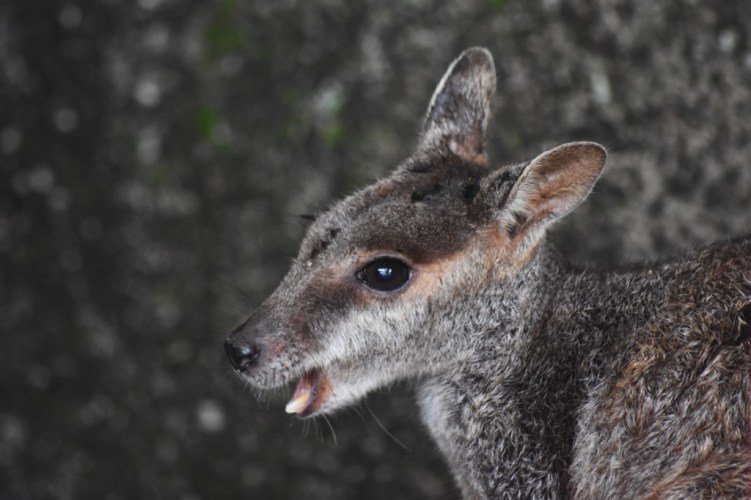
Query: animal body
point(535, 378)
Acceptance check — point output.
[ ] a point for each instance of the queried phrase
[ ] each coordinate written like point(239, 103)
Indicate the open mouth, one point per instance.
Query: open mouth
point(313, 390)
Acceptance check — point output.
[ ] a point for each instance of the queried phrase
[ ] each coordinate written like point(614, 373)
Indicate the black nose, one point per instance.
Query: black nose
point(243, 356)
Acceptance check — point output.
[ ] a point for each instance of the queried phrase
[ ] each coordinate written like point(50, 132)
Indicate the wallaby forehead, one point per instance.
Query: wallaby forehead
point(423, 210)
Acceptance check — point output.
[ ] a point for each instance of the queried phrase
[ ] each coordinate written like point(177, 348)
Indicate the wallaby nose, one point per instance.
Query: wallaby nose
point(242, 357)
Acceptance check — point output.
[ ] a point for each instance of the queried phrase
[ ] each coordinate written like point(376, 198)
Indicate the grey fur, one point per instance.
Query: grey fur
point(536, 379)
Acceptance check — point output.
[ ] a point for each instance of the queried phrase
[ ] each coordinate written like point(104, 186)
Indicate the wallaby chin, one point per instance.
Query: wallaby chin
point(536, 379)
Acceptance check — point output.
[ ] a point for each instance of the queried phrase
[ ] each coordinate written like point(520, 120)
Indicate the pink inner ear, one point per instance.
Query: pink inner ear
point(558, 180)
point(566, 175)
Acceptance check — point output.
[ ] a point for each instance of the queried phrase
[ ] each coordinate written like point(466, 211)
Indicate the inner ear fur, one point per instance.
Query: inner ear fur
point(552, 185)
point(460, 109)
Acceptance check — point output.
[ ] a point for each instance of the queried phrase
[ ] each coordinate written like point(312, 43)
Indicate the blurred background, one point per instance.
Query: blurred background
point(155, 157)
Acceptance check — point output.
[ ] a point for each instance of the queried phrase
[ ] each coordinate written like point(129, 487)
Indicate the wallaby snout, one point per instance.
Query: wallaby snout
point(260, 350)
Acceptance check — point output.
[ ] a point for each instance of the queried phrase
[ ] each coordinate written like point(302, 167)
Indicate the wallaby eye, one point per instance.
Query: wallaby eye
point(385, 274)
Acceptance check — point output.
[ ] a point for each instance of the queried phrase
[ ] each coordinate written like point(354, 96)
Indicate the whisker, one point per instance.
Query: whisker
point(236, 288)
point(318, 431)
point(333, 434)
point(384, 428)
point(359, 412)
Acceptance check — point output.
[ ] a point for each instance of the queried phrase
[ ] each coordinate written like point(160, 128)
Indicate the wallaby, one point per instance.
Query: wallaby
point(536, 378)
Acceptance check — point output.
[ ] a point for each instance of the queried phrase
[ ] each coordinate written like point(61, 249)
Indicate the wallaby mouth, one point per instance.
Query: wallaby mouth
point(313, 389)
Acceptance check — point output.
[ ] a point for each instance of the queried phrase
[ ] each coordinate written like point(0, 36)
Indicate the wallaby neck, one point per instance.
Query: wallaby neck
point(558, 329)
point(581, 313)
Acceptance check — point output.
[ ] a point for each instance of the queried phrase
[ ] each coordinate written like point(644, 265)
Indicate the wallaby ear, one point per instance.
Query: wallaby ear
point(552, 185)
point(460, 109)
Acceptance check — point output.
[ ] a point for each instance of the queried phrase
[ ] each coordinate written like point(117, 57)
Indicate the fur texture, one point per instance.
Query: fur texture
point(537, 380)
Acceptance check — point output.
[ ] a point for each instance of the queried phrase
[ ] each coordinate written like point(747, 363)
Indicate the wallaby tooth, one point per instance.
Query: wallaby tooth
point(299, 402)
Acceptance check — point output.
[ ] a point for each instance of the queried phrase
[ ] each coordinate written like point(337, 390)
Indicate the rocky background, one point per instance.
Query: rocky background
point(155, 156)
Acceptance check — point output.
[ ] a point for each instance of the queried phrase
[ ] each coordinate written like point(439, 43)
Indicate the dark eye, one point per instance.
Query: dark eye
point(385, 274)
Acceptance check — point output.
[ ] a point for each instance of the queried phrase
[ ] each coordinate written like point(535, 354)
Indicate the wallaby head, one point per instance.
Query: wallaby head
point(388, 281)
